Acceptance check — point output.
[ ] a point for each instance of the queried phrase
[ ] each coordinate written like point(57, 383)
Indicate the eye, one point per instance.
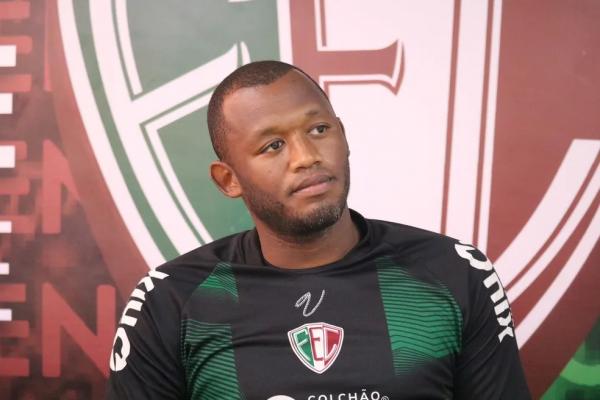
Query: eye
point(319, 129)
point(273, 146)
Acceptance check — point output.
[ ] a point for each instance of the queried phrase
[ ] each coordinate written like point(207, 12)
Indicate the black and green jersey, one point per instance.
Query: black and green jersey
point(406, 314)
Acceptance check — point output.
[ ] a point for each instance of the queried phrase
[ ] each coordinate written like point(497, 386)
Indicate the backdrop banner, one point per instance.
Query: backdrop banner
point(476, 119)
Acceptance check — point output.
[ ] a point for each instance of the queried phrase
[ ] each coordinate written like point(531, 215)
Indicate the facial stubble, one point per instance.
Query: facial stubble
point(289, 223)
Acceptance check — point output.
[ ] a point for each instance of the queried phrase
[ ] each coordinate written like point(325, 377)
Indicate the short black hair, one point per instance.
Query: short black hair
point(256, 73)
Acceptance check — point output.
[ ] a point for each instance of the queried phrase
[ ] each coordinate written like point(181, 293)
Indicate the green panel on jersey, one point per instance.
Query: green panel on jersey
point(208, 361)
point(221, 280)
point(424, 321)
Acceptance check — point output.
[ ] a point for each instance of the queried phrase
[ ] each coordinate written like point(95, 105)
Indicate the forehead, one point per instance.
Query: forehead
point(252, 109)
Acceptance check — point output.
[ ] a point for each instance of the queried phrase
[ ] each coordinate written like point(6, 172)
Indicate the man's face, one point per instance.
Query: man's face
point(289, 154)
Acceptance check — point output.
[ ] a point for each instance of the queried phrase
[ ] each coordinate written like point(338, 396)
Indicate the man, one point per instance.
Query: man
point(317, 302)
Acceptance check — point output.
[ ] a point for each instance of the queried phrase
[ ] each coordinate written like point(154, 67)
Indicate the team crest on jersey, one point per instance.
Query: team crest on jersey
point(317, 344)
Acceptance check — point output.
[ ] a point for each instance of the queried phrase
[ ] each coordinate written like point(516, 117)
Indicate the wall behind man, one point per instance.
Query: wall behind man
point(477, 119)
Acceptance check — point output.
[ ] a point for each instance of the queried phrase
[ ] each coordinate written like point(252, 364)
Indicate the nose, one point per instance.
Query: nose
point(303, 152)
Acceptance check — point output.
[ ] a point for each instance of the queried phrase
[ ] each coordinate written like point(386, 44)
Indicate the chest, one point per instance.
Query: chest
point(343, 336)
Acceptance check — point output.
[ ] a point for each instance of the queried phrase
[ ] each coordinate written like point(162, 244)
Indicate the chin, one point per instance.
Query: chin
point(313, 221)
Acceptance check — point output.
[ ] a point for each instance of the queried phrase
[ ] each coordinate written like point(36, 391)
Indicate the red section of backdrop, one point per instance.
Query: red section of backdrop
point(548, 95)
point(62, 299)
point(122, 256)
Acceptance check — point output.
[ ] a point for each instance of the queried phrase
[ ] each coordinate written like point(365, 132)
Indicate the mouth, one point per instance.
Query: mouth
point(313, 185)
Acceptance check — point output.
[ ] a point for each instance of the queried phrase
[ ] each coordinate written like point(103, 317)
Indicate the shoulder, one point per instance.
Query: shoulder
point(157, 302)
point(433, 257)
point(460, 267)
point(167, 288)
point(197, 264)
point(415, 244)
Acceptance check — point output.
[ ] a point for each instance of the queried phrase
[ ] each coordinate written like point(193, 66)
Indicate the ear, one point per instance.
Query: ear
point(224, 177)
point(341, 125)
point(344, 133)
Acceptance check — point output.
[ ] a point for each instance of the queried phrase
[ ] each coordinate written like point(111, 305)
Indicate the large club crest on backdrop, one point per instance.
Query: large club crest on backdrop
point(421, 98)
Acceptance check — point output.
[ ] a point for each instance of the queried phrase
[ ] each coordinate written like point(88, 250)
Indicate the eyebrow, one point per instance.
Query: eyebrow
point(273, 129)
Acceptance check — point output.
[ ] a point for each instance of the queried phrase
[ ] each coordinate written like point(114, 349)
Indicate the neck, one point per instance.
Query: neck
point(326, 247)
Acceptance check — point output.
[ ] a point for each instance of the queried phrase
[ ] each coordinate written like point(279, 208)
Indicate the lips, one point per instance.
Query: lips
point(312, 182)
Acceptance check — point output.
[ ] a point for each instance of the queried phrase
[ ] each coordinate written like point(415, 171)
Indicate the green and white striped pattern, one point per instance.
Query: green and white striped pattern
point(424, 321)
point(221, 280)
point(208, 360)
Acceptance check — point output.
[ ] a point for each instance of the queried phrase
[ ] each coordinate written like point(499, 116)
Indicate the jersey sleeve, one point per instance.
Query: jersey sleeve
point(488, 366)
point(145, 363)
